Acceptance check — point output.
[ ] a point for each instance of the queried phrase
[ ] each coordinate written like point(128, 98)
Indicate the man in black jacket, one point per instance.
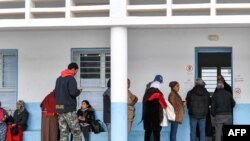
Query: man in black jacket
point(65, 95)
point(198, 100)
point(222, 108)
point(227, 87)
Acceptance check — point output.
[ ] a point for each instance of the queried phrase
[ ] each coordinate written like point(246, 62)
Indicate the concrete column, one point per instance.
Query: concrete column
point(119, 109)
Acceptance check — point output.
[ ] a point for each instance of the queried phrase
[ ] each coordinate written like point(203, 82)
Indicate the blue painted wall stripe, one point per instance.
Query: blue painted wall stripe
point(119, 123)
point(119, 118)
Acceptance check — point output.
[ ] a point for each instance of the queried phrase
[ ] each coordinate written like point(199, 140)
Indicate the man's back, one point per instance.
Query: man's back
point(66, 92)
point(222, 102)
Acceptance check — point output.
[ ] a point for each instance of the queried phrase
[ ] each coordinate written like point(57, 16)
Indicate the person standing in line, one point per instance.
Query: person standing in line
point(107, 108)
point(3, 126)
point(86, 115)
point(49, 118)
point(175, 99)
point(198, 101)
point(132, 100)
point(66, 93)
point(222, 108)
point(227, 87)
point(153, 104)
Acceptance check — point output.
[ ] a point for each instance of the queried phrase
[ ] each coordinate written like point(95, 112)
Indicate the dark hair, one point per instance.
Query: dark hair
point(109, 83)
point(172, 84)
point(87, 102)
point(73, 66)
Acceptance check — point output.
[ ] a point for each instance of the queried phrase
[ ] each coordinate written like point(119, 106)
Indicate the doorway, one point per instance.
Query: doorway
point(211, 62)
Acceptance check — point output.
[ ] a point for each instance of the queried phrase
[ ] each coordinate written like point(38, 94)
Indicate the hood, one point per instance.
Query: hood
point(156, 85)
point(199, 90)
point(67, 72)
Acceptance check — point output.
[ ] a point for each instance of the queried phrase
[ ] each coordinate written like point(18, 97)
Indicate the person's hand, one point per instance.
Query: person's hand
point(13, 124)
point(81, 118)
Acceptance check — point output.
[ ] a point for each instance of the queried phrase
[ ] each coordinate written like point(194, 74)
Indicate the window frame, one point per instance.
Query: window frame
point(75, 52)
point(14, 89)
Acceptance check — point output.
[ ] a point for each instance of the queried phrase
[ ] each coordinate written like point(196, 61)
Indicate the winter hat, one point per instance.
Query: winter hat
point(158, 78)
point(199, 81)
point(172, 84)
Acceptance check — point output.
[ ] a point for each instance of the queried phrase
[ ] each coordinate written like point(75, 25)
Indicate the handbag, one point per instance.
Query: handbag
point(14, 130)
point(97, 126)
point(170, 111)
point(164, 121)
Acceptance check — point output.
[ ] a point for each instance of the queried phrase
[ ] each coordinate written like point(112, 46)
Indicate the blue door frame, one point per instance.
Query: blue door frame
point(212, 50)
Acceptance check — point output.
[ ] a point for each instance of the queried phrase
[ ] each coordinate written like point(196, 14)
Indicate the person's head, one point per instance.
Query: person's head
point(109, 83)
point(220, 78)
point(158, 78)
point(20, 105)
point(0, 104)
point(85, 104)
point(175, 86)
point(128, 83)
point(220, 85)
point(74, 67)
point(199, 81)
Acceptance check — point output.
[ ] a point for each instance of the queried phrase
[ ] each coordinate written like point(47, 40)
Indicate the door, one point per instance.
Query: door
point(211, 62)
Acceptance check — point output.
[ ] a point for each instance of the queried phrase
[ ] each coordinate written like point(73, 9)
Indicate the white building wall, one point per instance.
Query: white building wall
point(170, 51)
point(43, 54)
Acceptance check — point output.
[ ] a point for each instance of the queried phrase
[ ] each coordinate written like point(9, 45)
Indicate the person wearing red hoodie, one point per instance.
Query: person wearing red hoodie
point(66, 93)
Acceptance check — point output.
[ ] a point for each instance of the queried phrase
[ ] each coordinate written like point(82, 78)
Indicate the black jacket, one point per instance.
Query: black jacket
point(152, 113)
point(222, 103)
point(198, 101)
point(106, 105)
point(88, 114)
point(21, 118)
point(65, 94)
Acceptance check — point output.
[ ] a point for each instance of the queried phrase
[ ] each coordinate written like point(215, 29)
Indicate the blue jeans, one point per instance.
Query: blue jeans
point(173, 132)
point(202, 128)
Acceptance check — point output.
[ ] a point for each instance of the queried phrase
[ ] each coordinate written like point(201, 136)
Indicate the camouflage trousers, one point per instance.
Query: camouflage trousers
point(68, 122)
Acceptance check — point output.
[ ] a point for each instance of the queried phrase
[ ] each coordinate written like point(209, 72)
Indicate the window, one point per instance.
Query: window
point(94, 72)
point(226, 72)
point(209, 75)
point(8, 78)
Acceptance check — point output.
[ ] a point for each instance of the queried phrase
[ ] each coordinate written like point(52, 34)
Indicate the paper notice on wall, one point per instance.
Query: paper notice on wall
point(238, 78)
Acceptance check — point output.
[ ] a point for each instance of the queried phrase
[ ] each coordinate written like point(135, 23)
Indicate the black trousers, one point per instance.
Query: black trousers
point(85, 131)
point(156, 133)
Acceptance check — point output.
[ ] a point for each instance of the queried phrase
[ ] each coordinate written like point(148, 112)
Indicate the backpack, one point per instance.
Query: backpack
point(97, 126)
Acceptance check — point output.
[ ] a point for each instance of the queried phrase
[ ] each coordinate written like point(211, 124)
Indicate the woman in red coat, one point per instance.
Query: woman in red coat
point(49, 118)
